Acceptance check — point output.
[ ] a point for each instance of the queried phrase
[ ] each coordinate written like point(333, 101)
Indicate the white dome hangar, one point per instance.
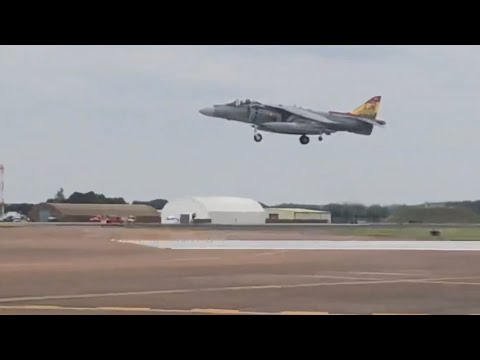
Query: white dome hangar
point(215, 210)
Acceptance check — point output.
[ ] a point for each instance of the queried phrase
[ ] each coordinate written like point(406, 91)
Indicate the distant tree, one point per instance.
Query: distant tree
point(85, 198)
point(358, 211)
point(92, 198)
point(348, 214)
point(336, 211)
point(376, 213)
point(471, 205)
point(298, 206)
point(439, 215)
point(19, 208)
point(60, 196)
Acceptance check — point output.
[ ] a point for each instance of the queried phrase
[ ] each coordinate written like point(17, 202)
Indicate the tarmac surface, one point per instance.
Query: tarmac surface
point(81, 271)
point(307, 245)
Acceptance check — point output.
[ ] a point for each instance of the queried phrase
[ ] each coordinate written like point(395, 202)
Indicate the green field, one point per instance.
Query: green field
point(417, 233)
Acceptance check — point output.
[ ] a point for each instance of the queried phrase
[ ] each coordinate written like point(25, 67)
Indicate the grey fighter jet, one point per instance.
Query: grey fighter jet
point(295, 120)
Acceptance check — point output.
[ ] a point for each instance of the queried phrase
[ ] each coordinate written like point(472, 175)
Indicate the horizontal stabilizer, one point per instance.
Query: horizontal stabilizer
point(376, 122)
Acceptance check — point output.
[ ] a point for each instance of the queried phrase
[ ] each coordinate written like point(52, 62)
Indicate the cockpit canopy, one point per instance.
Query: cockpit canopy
point(239, 102)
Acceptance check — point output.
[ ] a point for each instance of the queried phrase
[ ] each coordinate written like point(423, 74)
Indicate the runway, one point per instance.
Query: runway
point(307, 245)
point(84, 272)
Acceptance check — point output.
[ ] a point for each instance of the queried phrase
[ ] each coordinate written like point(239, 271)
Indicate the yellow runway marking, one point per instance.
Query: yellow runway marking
point(117, 309)
point(304, 313)
point(35, 307)
point(109, 308)
point(178, 311)
point(216, 311)
point(396, 314)
point(149, 310)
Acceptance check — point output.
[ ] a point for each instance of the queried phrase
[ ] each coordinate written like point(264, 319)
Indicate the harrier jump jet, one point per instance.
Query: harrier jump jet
point(295, 120)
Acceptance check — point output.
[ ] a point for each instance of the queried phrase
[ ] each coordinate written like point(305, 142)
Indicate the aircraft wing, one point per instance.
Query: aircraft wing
point(304, 113)
point(316, 116)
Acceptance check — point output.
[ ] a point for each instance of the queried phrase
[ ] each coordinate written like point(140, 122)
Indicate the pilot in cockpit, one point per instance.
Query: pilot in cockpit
point(241, 102)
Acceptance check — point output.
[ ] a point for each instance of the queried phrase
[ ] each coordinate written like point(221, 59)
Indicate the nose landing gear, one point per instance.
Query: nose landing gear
point(257, 137)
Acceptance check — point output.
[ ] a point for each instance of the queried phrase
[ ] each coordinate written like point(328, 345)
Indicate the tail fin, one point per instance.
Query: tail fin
point(369, 109)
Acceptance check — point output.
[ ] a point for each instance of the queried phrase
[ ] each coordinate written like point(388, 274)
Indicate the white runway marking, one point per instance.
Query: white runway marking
point(359, 282)
point(383, 273)
point(307, 245)
point(272, 253)
point(199, 290)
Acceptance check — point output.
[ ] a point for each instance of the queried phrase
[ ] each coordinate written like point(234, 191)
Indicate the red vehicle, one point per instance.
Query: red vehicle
point(108, 219)
point(98, 218)
point(115, 220)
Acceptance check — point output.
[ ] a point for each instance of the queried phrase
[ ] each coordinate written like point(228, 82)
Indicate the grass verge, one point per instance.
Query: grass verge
point(455, 233)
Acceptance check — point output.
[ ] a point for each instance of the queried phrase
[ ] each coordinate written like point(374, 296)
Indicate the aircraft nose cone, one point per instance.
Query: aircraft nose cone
point(210, 111)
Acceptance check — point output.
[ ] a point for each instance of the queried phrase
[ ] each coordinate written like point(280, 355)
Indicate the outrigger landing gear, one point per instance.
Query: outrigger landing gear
point(304, 140)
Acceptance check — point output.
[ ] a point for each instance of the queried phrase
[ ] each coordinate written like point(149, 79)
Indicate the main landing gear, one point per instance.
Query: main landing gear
point(304, 139)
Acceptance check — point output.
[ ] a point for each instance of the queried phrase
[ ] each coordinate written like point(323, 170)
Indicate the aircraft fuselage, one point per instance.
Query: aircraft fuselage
point(288, 120)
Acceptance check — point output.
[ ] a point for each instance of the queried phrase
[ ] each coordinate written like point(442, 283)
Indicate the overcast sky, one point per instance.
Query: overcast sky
point(124, 121)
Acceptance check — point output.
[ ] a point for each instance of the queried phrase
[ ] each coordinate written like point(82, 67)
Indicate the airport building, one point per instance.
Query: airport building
point(213, 210)
point(284, 215)
point(84, 212)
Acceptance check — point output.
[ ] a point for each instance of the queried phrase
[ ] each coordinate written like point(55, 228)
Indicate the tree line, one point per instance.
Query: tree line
point(341, 213)
point(83, 198)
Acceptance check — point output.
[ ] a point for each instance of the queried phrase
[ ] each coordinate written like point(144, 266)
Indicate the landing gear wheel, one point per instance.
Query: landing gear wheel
point(320, 138)
point(304, 140)
point(257, 137)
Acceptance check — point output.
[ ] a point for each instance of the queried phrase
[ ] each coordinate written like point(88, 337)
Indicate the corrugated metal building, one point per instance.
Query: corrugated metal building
point(214, 210)
point(284, 215)
point(84, 212)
